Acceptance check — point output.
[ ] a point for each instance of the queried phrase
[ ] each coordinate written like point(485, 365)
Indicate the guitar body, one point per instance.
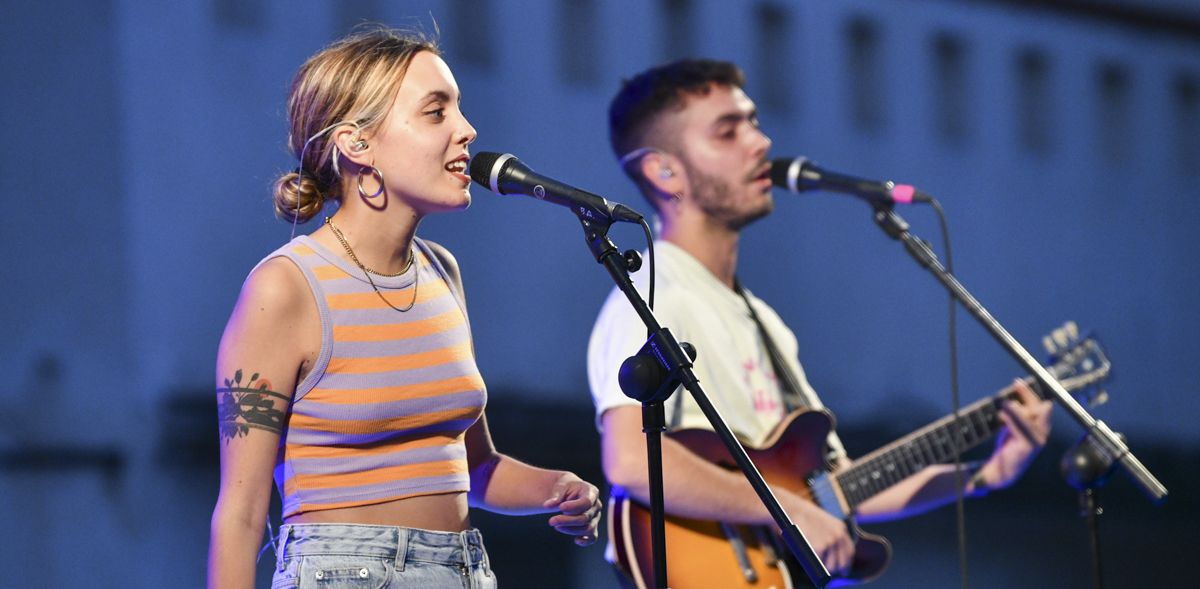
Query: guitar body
point(698, 552)
point(701, 553)
point(709, 554)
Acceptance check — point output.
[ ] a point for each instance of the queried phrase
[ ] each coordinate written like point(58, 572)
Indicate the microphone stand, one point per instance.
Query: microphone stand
point(1085, 467)
point(651, 376)
point(1104, 439)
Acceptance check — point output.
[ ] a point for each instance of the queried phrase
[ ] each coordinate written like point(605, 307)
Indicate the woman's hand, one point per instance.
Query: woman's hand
point(578, 504)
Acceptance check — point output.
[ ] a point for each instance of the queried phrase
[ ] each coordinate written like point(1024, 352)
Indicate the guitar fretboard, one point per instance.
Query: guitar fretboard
point(936, 443)
point(939, 442)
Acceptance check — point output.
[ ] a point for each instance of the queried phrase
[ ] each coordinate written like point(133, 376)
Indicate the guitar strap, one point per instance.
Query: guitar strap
point(794, 395)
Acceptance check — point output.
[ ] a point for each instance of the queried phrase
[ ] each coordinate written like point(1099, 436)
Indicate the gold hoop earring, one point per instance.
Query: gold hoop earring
point(378, 174)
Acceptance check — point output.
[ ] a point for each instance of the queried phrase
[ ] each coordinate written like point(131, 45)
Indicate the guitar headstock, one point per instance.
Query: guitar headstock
point(1079, 363)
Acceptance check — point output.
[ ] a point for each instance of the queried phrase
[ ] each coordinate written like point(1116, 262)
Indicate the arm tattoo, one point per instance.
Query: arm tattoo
point(240, 408)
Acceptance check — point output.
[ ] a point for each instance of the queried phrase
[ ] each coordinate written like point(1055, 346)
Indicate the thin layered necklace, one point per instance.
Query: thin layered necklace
point(368, 272)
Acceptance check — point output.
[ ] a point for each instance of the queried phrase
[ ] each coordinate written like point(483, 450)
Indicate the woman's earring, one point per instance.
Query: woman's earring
point(665, 173)
point(378, 174)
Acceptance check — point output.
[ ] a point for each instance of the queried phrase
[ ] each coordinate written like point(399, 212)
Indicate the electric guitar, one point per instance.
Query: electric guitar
point(703, 554)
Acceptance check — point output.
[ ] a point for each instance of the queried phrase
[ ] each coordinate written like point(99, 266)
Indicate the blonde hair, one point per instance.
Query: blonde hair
point(351, 82)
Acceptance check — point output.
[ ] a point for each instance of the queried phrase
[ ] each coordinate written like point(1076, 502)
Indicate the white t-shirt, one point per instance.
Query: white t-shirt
point(732, 363)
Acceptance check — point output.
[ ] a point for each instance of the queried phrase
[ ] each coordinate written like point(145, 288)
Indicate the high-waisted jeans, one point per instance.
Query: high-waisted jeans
point(335, 556)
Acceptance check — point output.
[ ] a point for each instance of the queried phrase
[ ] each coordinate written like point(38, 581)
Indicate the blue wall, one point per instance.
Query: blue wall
point(143, 137)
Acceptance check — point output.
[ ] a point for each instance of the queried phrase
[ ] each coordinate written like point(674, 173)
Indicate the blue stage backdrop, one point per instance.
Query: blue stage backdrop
point(1062, 140)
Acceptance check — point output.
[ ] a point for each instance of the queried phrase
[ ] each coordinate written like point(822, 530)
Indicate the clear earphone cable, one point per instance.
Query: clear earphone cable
point(300, 168)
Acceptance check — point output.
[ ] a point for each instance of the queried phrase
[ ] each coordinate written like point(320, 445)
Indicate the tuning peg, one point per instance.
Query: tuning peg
point(1048, 342)
point(1100, 398)
point(1060, 337)
point(1072, 330)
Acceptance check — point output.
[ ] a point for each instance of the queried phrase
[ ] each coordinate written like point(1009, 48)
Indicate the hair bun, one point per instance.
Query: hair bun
point(297, 198)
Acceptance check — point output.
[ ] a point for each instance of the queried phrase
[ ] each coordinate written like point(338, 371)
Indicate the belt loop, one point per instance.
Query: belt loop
point(487, 565)
point(466, 548)
point(285, 531)
point(401, 547)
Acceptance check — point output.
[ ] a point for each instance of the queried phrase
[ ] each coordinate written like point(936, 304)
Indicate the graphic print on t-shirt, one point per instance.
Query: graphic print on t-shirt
point(763, 386)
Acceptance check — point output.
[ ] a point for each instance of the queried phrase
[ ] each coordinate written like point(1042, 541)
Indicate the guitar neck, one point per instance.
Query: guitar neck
point(936, 443)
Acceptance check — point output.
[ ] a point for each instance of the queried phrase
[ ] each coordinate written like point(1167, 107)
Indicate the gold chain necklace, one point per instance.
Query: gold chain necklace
point(342, 238)
point(368, 272)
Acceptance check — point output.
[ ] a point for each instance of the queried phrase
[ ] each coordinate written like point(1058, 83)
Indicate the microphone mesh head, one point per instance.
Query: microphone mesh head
point(779, 172)
point(481, 167)
point(790, 174)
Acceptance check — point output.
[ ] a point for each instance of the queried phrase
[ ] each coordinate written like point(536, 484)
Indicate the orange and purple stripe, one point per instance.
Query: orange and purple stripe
point(383, 413)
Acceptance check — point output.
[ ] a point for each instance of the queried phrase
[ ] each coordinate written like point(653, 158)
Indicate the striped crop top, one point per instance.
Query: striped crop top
point(383, 412)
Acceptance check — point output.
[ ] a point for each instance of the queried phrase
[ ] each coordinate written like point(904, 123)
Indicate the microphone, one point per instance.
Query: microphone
point(505, 174)
point(800, 174)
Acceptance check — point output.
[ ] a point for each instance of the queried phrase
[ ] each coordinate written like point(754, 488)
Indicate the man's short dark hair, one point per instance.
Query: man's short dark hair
point(644, 97)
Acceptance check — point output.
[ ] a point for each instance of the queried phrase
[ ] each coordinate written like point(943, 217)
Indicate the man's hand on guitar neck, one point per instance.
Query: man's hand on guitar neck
point(1027, 427)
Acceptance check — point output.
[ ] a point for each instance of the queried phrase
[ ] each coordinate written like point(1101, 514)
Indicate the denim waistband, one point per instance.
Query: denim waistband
point(395, 543)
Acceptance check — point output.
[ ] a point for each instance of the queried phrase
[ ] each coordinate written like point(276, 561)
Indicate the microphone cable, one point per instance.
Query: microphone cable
point(960, 515)
point(650, 250)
